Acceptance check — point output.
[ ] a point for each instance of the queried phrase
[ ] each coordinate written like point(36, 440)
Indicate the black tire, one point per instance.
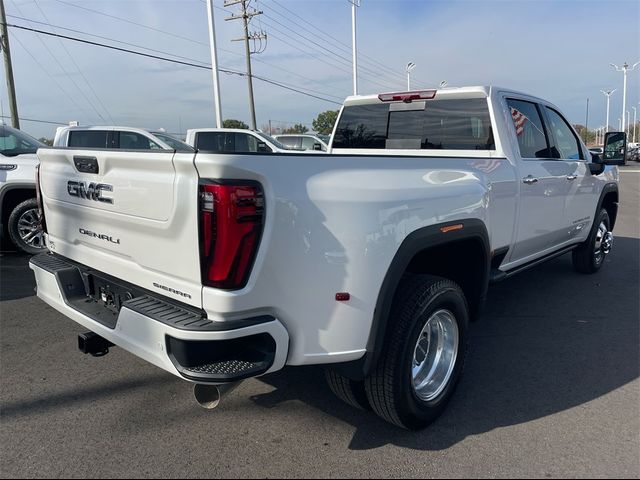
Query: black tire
point(584, 258)
point(28, 208)
point(351, 392)
point(390, 388)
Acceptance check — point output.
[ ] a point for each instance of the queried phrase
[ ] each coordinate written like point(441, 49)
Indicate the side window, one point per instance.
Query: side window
point(308, 142)
point(252, 144)
point(215, 141)
point(566, 143)
point(136, 141)
point(532, 139)
point(245, 143)
point(88, 139)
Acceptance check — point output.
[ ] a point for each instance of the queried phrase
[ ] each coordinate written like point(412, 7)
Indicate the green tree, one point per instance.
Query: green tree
point(325, 121)
point(46, 141)
point(231, 123)
point(297, 128)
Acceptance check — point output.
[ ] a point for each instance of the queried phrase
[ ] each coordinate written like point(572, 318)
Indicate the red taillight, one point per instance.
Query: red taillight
point(231, 218)
point(407, 97)
point(39, 200)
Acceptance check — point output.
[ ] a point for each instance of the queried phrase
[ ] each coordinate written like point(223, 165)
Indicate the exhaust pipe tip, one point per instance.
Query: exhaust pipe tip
point(207, 396)
point(210, 396)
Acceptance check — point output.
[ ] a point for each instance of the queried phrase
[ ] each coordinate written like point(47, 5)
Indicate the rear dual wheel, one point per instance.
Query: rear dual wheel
point(422, 358)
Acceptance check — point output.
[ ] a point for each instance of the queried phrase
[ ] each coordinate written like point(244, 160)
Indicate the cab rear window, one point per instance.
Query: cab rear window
point(455, 124)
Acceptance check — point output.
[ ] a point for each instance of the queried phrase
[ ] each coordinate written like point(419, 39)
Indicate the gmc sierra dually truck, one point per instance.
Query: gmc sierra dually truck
point(370, 260)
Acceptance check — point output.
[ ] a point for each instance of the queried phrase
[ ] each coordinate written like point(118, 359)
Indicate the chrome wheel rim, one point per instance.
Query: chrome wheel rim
point(603, 242)
point(435, 354)
point(30, 229)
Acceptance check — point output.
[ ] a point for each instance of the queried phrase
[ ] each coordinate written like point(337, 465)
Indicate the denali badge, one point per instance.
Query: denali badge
point(97, 235)
point(169, 289)
point(93, 191)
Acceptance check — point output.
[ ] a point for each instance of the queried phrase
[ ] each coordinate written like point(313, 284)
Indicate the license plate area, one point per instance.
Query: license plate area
point(103, 298)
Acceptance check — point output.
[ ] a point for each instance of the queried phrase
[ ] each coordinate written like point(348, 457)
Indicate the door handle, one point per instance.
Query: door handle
point(572, 177)
point(530, 180)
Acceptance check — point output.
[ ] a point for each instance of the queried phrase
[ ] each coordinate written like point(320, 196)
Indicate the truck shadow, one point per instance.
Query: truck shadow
point(550, 340)
point(17, 280)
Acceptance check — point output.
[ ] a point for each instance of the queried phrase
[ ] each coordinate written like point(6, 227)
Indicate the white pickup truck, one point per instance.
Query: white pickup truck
point(371, 260)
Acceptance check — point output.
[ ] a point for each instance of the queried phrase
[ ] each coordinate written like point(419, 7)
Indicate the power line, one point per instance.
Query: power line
point(64, 71)
point(58, 27)
point(36, 121)
point(51, 77)
point(343, 66)
point(180, 62)
point(159, 31)
point(75, 63)
point(333, 40)
point(148, 27)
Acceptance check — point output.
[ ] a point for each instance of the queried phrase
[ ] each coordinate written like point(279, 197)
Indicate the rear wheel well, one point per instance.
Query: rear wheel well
point(12, 198)
point(610, 204)
point(462, 261)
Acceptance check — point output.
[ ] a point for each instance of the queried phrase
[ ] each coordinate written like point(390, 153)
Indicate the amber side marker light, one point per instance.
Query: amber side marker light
point(451, 228)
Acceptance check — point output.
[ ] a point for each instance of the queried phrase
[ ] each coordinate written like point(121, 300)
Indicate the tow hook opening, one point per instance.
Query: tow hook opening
point(93, 344)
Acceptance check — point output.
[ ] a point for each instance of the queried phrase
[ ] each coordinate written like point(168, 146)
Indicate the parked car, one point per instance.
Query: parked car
point(18, 206)
point(125, 138)
point(370, 261)
point(633, 154)
point(302, 142)
point(233, 140)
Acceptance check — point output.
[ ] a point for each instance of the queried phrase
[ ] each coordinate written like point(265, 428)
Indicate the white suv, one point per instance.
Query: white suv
point(18, 207)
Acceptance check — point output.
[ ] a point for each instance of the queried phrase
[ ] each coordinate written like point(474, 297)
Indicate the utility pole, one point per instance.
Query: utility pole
point(354, 5)
point(8, 68)
point(607, 93)
point(586, 125)
point(635, 113)
point(214, 64)
point(247, 15)
point(624, 69)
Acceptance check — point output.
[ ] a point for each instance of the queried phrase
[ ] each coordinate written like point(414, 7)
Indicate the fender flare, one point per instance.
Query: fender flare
point(416, 242)
point(610, 187)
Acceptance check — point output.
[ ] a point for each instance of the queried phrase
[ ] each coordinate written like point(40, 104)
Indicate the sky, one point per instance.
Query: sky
point(558, 50)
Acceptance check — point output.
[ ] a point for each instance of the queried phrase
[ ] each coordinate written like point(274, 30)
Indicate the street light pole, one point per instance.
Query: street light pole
point(628, 120)
point(410, 66)
point(608, 93)
point(214, 64)
point(624, 69)
point(635, 113)
point(354, 5)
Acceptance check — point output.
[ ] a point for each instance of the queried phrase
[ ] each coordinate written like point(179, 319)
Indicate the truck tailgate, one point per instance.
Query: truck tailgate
point(118, 212)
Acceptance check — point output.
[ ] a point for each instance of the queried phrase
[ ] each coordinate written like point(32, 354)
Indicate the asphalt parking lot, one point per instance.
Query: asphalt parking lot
point(551, 389)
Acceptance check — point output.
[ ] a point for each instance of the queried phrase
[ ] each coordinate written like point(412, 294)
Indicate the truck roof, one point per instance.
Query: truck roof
point(478, 91)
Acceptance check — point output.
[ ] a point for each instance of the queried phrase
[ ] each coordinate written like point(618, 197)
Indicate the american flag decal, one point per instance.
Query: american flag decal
point(519, 119)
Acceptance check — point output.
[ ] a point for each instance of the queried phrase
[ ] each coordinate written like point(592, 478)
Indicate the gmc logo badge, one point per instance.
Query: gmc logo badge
point(93, 191)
